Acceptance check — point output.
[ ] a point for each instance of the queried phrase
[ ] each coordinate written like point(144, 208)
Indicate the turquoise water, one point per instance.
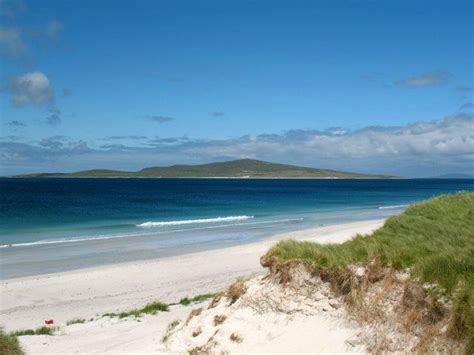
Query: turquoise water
point(50, 225)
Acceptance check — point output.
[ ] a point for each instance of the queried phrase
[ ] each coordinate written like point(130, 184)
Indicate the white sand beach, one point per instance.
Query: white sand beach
point(89, 293)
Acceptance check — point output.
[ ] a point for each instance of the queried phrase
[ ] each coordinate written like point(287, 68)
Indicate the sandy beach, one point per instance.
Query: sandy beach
point(89, 293)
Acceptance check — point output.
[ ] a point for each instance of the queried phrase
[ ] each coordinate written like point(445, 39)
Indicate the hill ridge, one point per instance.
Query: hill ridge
point(240, 168)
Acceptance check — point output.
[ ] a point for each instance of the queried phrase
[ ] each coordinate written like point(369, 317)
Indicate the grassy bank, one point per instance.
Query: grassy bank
point(9, 344)
point(434, 240)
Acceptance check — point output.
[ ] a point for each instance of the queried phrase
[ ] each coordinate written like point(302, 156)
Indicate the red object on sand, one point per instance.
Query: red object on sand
point(49, 321)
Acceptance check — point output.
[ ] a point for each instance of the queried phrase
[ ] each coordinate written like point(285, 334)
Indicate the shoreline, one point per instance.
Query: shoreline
point(85, 293)
point(210, 177)
point(326, 235)
point(45, 256)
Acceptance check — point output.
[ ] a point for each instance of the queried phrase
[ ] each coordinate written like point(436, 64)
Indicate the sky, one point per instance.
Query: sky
point(366, 86)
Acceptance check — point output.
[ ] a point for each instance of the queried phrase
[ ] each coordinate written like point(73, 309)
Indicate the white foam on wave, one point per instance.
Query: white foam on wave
point(115, 236)
point(194, 221)
point(66, 240)
point(391, 207)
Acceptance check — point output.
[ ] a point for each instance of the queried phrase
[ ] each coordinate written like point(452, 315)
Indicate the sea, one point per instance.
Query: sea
point(54, 225)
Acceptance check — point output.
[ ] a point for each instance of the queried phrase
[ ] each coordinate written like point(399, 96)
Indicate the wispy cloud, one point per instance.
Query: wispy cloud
point(9, 138)
point(11, 8)
point(12, 44)
point(55, 142)
point(63, 146)
point(132, 137)
point(53, 29)
point(161, 119)
point(16, 124)
point(156, 142)
point(426, 79)
point(464, 88)
point(54, 117)
point(466, 106)
point(115, 147)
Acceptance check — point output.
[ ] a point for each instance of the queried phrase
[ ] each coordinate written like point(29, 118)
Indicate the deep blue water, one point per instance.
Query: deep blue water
point(49, 225)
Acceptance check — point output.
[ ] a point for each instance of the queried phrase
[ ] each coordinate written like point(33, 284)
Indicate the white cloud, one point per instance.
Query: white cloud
point(418, 149)
point(452, 136)
point(30, 89)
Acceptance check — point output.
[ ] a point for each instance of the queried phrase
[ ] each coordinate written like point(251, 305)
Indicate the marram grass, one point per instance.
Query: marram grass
point(196, 299)
point(150, 308)
point(9, 344)
point(433, 240)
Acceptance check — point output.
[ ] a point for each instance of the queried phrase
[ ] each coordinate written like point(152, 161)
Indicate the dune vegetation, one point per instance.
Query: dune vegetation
point(153, 308)
point(196, 299)
point(150, 308)
point(9, 344)
point(38, 331)
point(76, 321)
point(433, 241)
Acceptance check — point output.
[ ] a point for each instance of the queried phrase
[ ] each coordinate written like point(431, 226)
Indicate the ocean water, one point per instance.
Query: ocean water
point(52, 225)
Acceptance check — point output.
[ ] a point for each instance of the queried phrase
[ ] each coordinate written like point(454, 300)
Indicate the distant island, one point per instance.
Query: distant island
point(242, 168)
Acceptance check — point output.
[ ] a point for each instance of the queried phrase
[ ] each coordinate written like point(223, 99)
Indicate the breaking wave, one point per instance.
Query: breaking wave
point(194, 221)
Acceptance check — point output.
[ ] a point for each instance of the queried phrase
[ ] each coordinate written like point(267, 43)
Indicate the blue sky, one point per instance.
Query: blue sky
point(371, 86)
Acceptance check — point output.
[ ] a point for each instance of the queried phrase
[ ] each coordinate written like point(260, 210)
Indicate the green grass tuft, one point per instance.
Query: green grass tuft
point(462, 315)
point(185, 301)
point(433, 239)
point(22, 332)
point(196, 299)
point(38, 331)
point(76, 321)
point(169, 329)
point(9, 344)
point(110, 314)
point(44, 331)
point(151, 308)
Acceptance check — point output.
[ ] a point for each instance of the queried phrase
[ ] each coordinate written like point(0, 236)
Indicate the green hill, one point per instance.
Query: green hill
point(231, 169)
